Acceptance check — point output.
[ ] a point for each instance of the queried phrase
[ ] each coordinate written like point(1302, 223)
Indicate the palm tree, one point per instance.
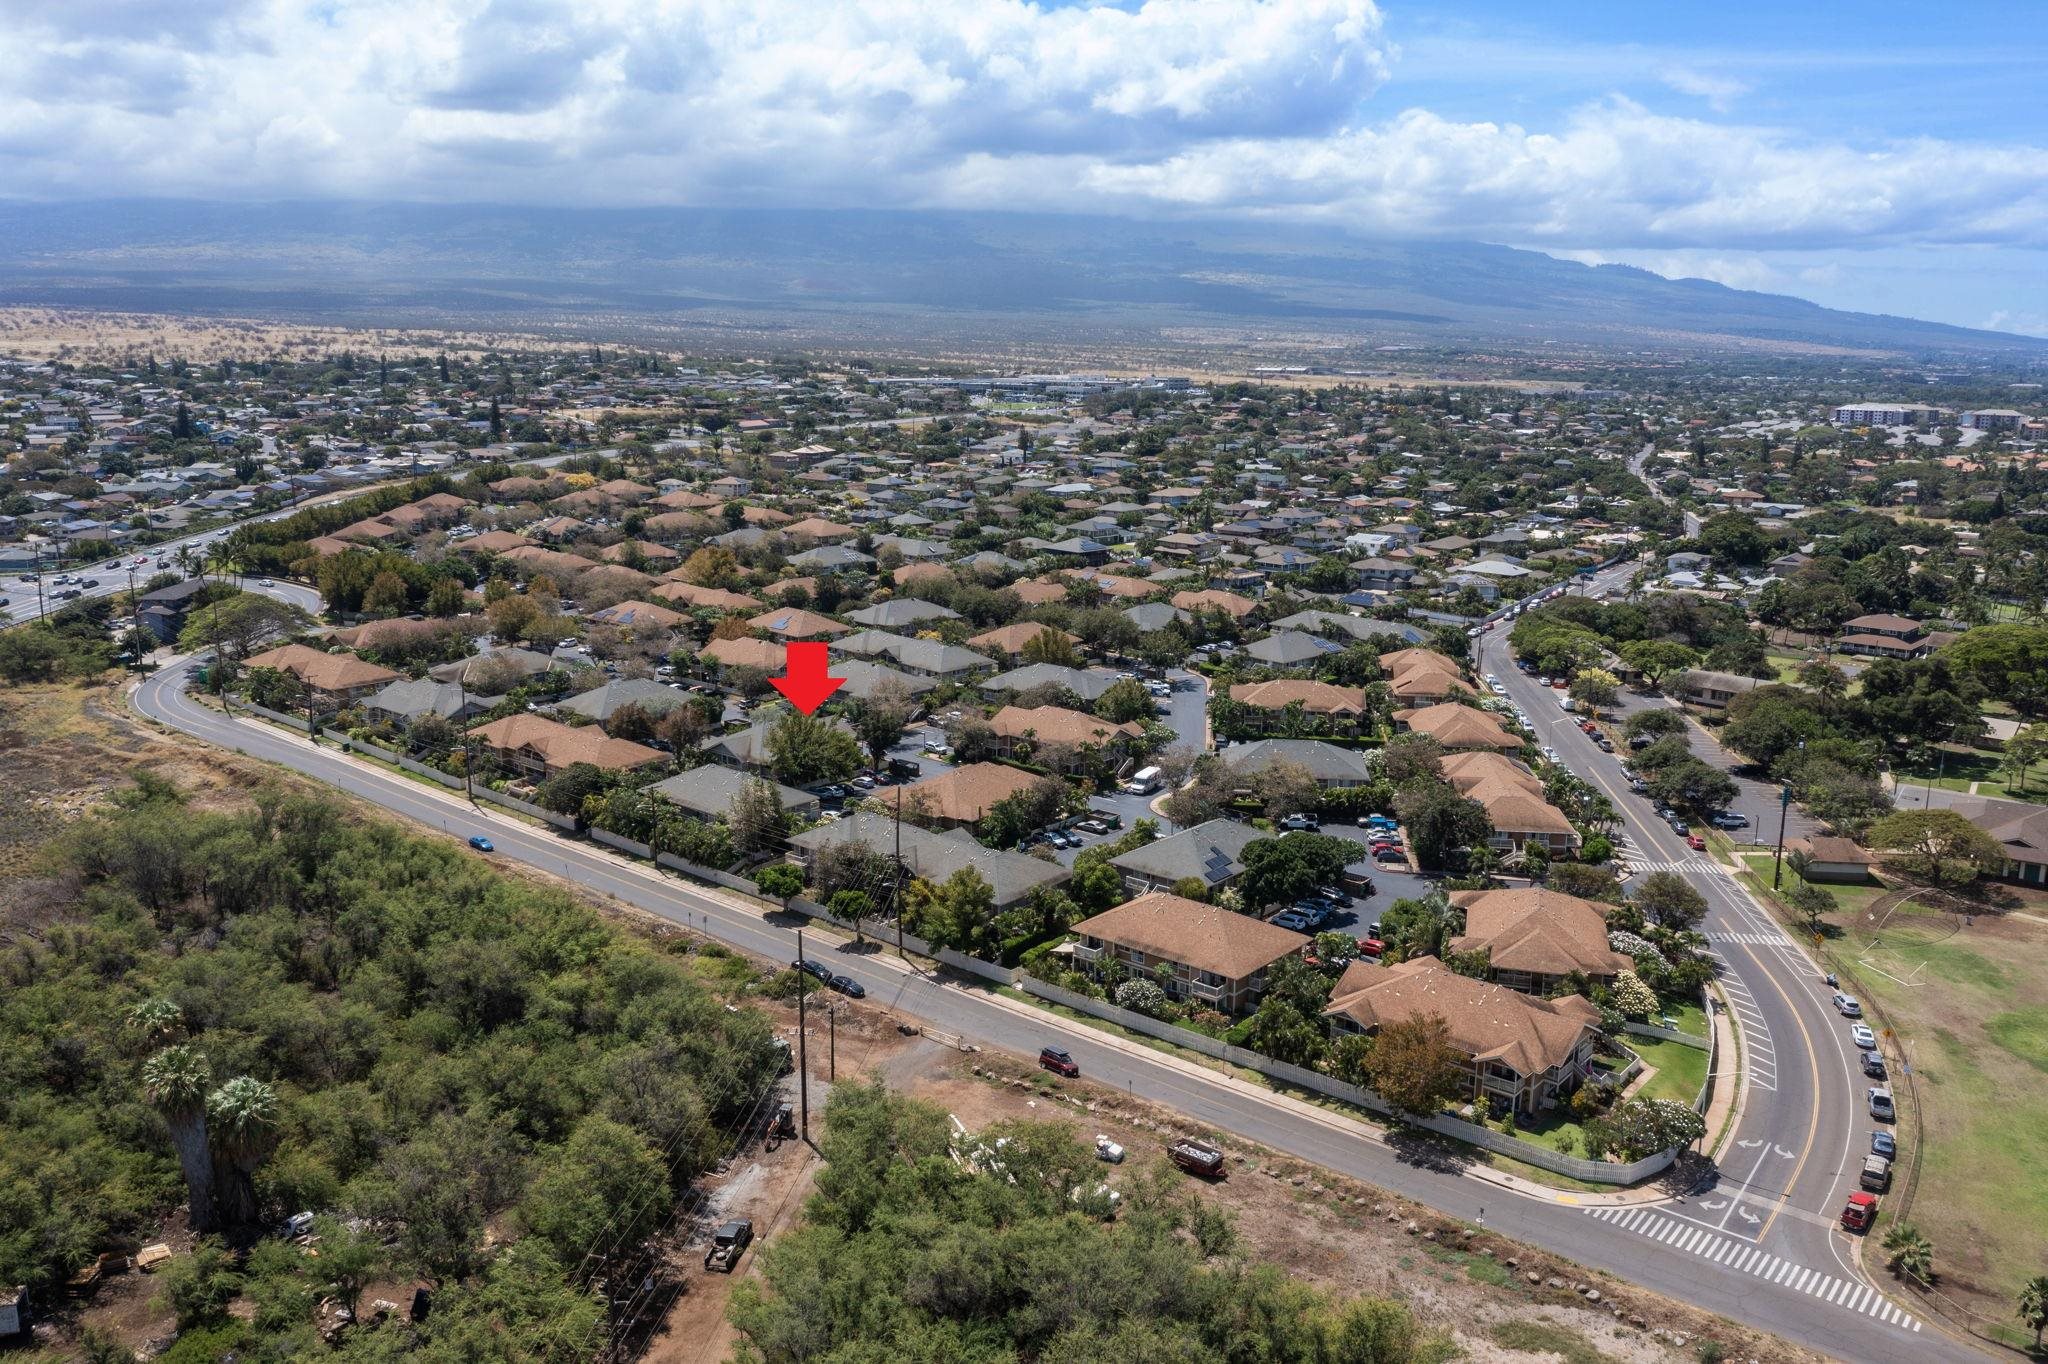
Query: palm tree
point(2033, 1306)
point(1911, 1254)
point(156, 1019)
point(175, 1082)
point(244, 1114)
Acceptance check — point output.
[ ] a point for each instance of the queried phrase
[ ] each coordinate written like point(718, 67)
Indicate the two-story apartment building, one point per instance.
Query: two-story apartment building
point(1520, 1051)
point(1883, 636)
point(1194, 951)
point(1536, 938)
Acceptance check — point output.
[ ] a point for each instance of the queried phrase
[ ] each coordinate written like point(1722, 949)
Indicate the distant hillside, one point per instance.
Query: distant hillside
point(858, 276)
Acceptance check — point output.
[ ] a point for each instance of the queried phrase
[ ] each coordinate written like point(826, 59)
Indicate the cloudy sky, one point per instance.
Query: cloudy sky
point(1883, 156)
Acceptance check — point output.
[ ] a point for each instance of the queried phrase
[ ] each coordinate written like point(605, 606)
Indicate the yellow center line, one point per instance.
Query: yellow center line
point(1813, 1109)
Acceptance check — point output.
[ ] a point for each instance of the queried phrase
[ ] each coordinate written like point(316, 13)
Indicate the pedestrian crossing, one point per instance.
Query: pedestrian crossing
point(1746, 1257)
point(1690, 866)
point(1754, 939)
point(1760, 1052)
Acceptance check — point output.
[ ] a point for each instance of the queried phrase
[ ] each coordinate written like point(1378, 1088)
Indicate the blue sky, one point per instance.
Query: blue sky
point(1876, 155)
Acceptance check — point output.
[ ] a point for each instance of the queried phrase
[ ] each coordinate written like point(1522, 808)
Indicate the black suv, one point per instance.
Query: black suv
point(812, 968)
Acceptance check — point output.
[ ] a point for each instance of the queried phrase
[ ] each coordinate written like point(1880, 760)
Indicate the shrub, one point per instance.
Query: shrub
point(1143, 996)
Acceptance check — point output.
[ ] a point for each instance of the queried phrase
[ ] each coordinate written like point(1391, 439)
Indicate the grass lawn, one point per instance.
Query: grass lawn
point(1848, 899)
point(1787, 664)
point(1687, 1013)
point(1681, 1070)
point(1970, 1006)
point(1966, 765)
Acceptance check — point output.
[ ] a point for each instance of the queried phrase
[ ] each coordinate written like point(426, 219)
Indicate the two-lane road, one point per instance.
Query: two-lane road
point(1671, 1250)
point(1804, 1129)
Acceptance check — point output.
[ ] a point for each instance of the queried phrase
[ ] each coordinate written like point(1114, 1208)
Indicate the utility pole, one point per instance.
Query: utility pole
point(1778, 860)
point(832, 1043)
point(896, 876)
point(803, 1063)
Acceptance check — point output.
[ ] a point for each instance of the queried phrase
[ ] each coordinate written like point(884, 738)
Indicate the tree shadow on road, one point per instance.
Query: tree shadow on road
point(1428, 1151)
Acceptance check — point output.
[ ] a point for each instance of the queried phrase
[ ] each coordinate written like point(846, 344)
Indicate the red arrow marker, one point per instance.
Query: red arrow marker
point(804, 681)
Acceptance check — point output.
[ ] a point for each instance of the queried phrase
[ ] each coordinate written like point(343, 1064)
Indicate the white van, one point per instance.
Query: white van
point(1144, 783)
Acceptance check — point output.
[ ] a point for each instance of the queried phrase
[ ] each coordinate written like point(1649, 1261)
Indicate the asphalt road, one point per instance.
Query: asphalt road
point(1670, 1249)
point(1804, 1128)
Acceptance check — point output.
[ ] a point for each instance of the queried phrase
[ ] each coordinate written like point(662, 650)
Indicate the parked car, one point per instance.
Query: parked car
point(1883, 1143)
point(728, 1243)
point(832, 792)
point(1847, 1006)
point(1859, 1212)
point(1056, 1060)
point(482, 844)
point(1727, 819)
point(848, 986)
point(1695, 842)
point(813, 968)
point(1877, 1174)
point(1308, 823)
point(1290, 919)
point(1873, 1066)
point(1371, 947)
point(1391, 855)
point(1881, 1108)
point(1863, 1037)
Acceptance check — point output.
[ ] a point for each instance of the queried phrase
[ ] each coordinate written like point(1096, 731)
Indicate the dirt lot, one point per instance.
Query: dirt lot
point(1352, 1238)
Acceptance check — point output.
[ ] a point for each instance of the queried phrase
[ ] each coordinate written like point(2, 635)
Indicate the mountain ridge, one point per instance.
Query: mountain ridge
point(878, 272)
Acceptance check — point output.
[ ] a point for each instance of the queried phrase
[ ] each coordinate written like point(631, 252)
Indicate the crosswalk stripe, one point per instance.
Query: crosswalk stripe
point(1717, 1246)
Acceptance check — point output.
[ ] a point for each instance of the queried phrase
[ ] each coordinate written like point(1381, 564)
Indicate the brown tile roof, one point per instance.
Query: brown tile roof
point(917, 573)
point(1881, 621)
point(1113, 584)
point(372, 633)
point(648, 550)
point(1011, 639)
point(1228, 602)
point(1456, 726)
point(493, 542)
point(1467, 770)
point(322, 671)
point(1203, 937)
point(1512, 809)
point(1539, 931)
point(561, 745)
point(745, 653)
point(682, 499)
point(796, 623)
point(1058, 725)
point(717, 598)
point(1317, 698)
point(968, 792)
point(1034, 592)
point(639, 613)
point(818, 528)
point(1487, 1022)
point(537, 560)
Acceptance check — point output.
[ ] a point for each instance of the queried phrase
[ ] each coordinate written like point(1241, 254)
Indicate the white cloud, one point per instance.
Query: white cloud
point(1718, 91)
point(1233, 107)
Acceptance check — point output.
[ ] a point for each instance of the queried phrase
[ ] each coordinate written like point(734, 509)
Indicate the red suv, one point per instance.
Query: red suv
point(1057, 1061)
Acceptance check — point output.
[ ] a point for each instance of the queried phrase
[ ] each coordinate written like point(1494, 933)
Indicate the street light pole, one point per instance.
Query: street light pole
point(1784, 807)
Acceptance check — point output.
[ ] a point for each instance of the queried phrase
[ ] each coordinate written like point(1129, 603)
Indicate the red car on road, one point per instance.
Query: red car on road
point(1695, 842)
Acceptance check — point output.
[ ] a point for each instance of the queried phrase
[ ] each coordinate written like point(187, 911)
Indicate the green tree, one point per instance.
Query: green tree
point(1415, 1067)
point(240, 625)
point(958, 913)
point(599, 1196)
point(1908, 1253)
point(1937, 847)
point(1439, 822)
point(242, 1116)
point(446, 598)
point(350, 1260)
point(1811, 902)
point(197, 1288)
point(1666, 897)
point(1635, 1128)
point(174, 1081)
point(1657, 659)
point(386, 595)
point(1124, 701)
point(879, 719)
point(806, 749)
point(781, 880)
point(1656, 721)
point(1277, 870)
point(1595, 689)
point(2032, 1307)
point(757, 820)
point(1051, 646)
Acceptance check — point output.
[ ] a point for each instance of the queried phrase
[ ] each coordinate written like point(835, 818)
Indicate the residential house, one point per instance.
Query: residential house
point(1344, 708)
point(1884, 636)
point(934, 855)
point(406, 700)
point(1520, 1052)
point(1199, 952)
point(1457, 727)
point(1831, 858)
point(1333, 767)
point(537, 748)
point(335, 680)
point(1043, 730)
point(602, 703)
point(1535, 939)
point(1702, 687)
point(1209, 852)
point(1008, 641)
point(960, 797)
point(708, 792)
